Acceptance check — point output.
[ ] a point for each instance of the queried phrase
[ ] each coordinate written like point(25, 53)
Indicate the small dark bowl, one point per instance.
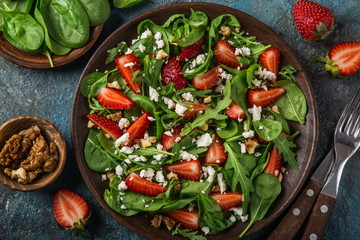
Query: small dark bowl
point(50, 133)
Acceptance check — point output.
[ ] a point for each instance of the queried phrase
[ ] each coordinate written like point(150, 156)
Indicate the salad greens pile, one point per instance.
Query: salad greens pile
point(242, 172)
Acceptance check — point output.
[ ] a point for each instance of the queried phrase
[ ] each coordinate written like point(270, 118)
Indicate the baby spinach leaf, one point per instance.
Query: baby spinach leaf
point(125, 3)
point(285, 146)
point(250, 74)
point(187, 233)
point(292, 104)
point(116, 52)
point(229, 131)
point(267, 129)
point(266, 112)
point(93, 83)
point(191, 189)
point(148, 24)
point(66, 21)
point(267, 188)
point(98, 11)
point(222, 20)
point(145, 103)
point(239, 89)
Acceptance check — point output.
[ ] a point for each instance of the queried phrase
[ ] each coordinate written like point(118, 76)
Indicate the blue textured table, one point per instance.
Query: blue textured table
point(49, 94)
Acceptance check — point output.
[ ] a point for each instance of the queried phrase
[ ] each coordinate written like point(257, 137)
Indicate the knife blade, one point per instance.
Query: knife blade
point(299, 210)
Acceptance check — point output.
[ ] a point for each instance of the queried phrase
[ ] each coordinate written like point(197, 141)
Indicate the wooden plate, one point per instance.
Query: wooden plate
point(40, 61)
point(306, 142)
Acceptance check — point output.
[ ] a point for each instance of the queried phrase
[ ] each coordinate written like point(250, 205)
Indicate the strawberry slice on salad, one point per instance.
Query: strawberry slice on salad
point(264, 98)
point(171, 72)
point(127, 65)
point(274, 163)
point(71, 211)
point(270, 59)
point(191, 51)
point(190, 170)
point(171, 136)
point(227, 200)
point(216, 153)
point(138, 184)
point(191, 113)
point(186, 218)
point(235, 112)
point(114, 99)
point(138, 128)
point(225, 54)
point(208, 79)
point(110, 127)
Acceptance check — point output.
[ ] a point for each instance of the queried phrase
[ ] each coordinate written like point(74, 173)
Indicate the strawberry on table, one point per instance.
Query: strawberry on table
point(127, 65)
point(190, 170)
point(225, 54)
point(227, 200)
point(208, 79)
point(114, 99)
point(138, 184)
point(191, 51)
point(71, 211)
point(274, 163)
point(216, 153)
point(270, 59)
point(110, 127)
point(138, 128)
point(234, 111)
point(170, 136)
point(264, 98)
point(186, 218)
point(313, 21)
point(171, 72)
point(343, 59)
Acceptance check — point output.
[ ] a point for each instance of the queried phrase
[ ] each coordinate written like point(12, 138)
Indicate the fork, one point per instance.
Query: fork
point(346, 142)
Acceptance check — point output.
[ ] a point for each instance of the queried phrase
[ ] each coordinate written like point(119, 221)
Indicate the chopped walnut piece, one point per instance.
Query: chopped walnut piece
point(225, 31)
point(152, 139)
point(161, 54)
point(271, 117)
point(275, 109)
point(114, 85)
point(107, 135)
point(178, 188)
point(237, 29)
point(115, 116)
point(110, 175)
point(207, 99)
point(250, 145)
point(204, 127)
point(90, 124)
point(145, 143)
point(173, 175)
point(280, 177)
point(156, 222)
point(215, 188)
point(170, 224)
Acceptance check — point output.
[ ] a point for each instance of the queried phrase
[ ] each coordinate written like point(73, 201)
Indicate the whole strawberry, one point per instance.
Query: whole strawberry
point(313, 21)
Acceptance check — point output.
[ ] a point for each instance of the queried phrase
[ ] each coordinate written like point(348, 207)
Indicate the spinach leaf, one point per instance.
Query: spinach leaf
point(250, 74)
point(148, 24)
point(145, 103)
point(222, 20)
point(267, 129)
point(187, 233)
point(92, 84)
point(262, 163)
point(22, 29)
point(267, 188)
point(116, 52)
point(191, 189)
point(292, 104)
point(125, 3)
point(98, 11)
point(66, 21)
point(285, 146)
point(266, 112)
point(239, 89)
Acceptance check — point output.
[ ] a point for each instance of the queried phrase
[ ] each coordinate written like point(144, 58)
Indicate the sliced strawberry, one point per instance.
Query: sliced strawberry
point(264, 98)
point(71, 211)
point(274, 163)
point(234, 111)
point(227, 200)
point(225, 54)
point(138, 184)
point(191, 113)
point(138, 128)
point(128, 64)
point(270, 59)
point(191, 51)
point(216, 153)
point(168, 141)
point(114, 99)
point(190, 170)
point(110, 127)
point(208, 79)
point(186, 218)
point(171, 72)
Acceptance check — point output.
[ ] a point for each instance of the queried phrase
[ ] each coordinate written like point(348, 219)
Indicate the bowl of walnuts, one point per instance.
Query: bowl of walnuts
point(32, 153)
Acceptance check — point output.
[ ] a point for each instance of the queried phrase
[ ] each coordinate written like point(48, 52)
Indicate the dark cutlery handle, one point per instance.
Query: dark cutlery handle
point(297, 213)
point(319, 217)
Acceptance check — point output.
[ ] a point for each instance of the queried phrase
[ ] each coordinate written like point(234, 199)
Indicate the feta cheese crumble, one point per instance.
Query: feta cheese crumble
point(248, 134)
point(154, 95)
point(147, 174)
point(130, 64)
point(206, 230)
point(180, 109)
point(238, 212)
point(187, 156)
point(119, 171)
point(187, 96)
point(123, 140)
point(147, 33)
point(168, 133)
point(160, 178)
point(169, 102)
point(221, 182)
point(255, 112)
point(209, 173)
point(124, 123)
point(122, 186)
point(204, 141)
point(142, 48)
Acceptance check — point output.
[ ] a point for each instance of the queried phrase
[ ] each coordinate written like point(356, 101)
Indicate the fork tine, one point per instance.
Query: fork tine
point(345, 113)
point(351, 122)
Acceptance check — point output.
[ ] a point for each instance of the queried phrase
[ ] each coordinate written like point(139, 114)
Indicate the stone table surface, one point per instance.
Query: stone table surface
point(49, 94)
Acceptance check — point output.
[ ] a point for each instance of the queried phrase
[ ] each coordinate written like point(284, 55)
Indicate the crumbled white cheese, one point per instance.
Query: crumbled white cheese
point(128, 51)
point(142, 48)
point(127, 150)
point(127, 161)
point(159, 156)
point(187, 156)
point(238, 211)
point(180, 109)
point(160, 43)
point(265, 74)
point(123, 206)
point(232, 218)
point(206, 230)
point(248, 134)
point(242, 147)
point(204, 141)
point(256, 83)
point(257, 154)
point(159, 147)
point(134, 118)
point(122, 186)
point(160, 178)
point(154, 95)
point(245, 126)
point(221, 182)
point(147, 33)
point(124, 123)
point(151, 118)
point(219, 87)
point(129, 64)
point(170, 103)
point(103, 177)
point(255, 112)
point(158, 36)
point(178, 139)
point(119, 171)
point(200, 59)
point(225, 75)
point(244, 51)
point(168, 133)
point(187, 96)
point(209, 173)
point(123, 140)
point(147, 174)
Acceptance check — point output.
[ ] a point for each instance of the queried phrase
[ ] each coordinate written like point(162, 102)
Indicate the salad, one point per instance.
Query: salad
point(191, 126)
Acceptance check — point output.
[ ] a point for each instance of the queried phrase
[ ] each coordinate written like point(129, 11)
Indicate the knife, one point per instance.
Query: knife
point(299, 210)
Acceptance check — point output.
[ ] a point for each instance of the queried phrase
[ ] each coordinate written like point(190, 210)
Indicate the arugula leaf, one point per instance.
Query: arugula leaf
point(187, 233)
point(284, 145)
point(288, 72)
point(262, 163)
point(115, 52)
point(210, 113)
